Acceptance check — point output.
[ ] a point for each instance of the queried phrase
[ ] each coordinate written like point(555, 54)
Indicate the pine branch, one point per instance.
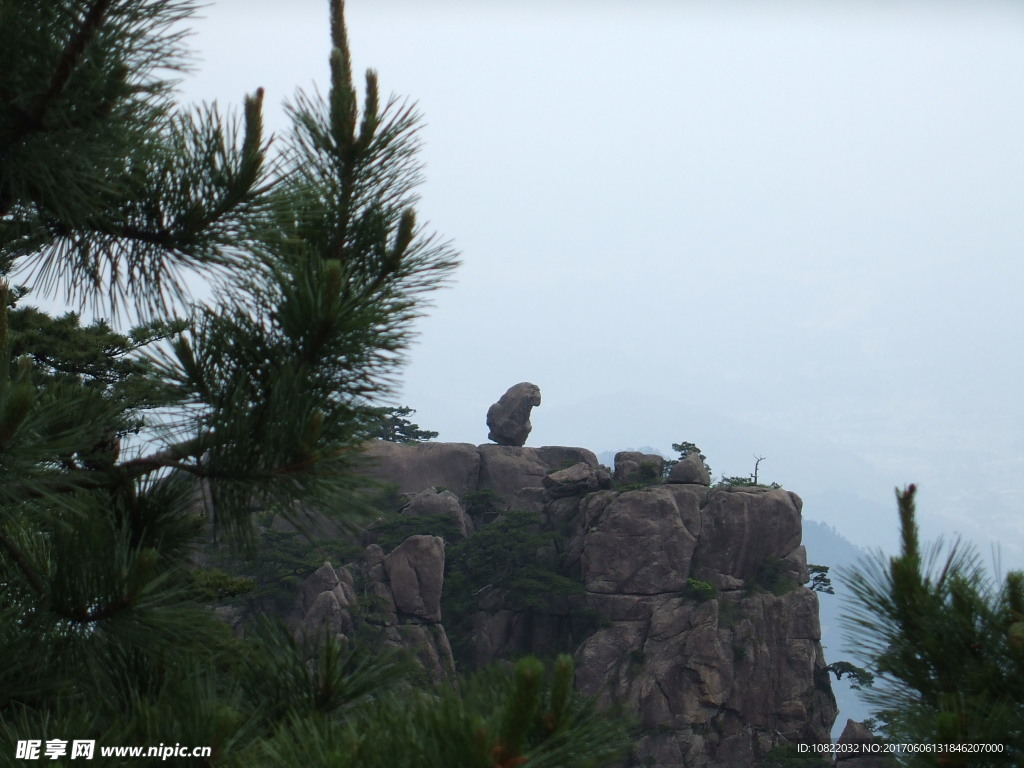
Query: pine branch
point(24, 566)
point(73, 53)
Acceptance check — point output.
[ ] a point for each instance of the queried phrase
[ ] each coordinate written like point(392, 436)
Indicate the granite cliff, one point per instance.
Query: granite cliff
point(697, 626)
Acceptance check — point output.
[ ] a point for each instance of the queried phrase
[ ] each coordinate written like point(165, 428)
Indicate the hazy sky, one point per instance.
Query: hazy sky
point(790, 229)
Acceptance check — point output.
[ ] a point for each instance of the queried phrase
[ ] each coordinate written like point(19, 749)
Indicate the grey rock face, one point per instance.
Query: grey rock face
point(636, 467)
point(322, 606)
point(413, 467)
point(515, 473)
point(400, 600)
point(743, 528)
point(509, 418)
point(415, 571)
point(716, 666)
point(640, 542)
point(713, 667)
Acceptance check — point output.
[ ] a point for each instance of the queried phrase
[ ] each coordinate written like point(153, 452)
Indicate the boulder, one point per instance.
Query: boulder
point(575, 481)
point(636, 467)
point(323, 579)
point(509, 418)
point(562, 456)
point(322, 606)
point(440, 504)
point(690, 470)
point(415, 571)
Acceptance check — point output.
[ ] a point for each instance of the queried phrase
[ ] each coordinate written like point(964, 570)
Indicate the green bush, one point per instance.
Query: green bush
point(647, 475)
point(511, 556)
point(700, 591)
point(736, 481)
point(395, 529)
point(211, 584)
point(484, 504)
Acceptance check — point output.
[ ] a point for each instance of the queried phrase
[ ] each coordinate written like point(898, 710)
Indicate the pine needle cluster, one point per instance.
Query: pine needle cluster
point(945, 641)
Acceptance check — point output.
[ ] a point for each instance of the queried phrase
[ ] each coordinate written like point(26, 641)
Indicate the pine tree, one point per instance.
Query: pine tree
point(391, 424)
point(113, 193)
point(945, 642)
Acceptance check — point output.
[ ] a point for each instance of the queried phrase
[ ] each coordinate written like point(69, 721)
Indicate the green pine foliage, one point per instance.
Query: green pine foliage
point(503, 716)
point(701, 591)
point(396, 528)
point(820, 581)
point(945, 643)
point(685, 449)
point(115, 195)
point(391, 424)
point(510, 558)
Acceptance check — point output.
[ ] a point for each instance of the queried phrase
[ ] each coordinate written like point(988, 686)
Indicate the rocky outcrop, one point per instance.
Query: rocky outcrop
point(514, 473)
point(705, 635)
point(412, 467)
point(636, 543)
point(432, 502)
point(395, 598)
point(323, 604)
point(509, 418)
point(636, 467)
point(415, 573)
point(690, 469)
point(576, 480)
point(712, 643)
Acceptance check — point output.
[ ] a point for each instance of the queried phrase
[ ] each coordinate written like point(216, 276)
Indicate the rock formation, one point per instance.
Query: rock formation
point(636, 467)
point(576, 480)
point(509, 418)
point(441, 503)
point(394, 597)
point(690, 469)
point(703, 632)
point(682, 602)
